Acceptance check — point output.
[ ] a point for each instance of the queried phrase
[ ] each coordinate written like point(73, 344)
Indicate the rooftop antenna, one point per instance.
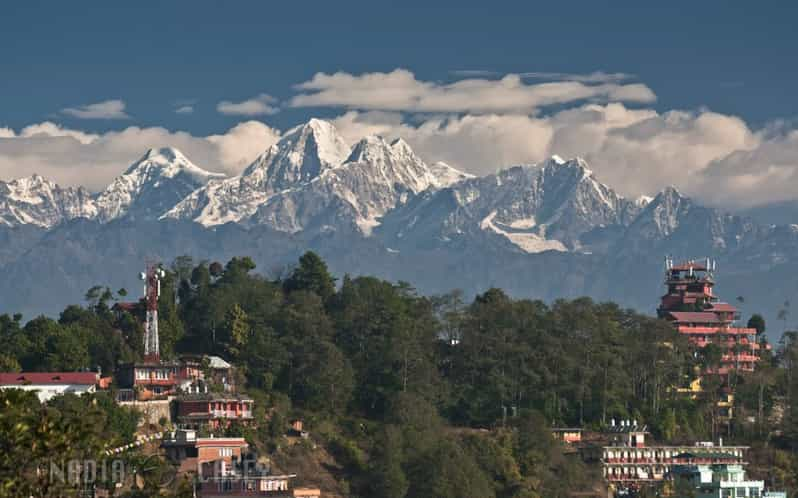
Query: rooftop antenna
point(152, 291)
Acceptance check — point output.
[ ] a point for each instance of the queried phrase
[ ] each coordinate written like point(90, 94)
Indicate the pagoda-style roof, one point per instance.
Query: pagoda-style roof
point(723, 307)
point(695, 317)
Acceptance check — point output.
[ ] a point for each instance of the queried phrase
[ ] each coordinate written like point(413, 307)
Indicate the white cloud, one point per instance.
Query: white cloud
point(714, 157)
point(185, 109)
point(765, 173)
point(108, 109)
point(399, 90)
point(73, 157)
point(594, 77)
point(242, 143)
point(259, 105)
point(479, 125)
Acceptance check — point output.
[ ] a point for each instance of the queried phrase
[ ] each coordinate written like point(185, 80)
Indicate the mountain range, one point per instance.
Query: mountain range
point(543, 230)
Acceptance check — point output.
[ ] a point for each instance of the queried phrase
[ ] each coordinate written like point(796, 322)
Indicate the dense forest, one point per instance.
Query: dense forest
point(412, 396)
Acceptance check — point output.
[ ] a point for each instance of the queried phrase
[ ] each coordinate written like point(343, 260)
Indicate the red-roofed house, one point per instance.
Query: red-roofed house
point(49, 384)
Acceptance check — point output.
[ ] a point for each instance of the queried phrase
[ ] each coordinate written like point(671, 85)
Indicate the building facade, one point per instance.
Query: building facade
point(693, 308)
point(628, 462)
point(49, 384)
point(726, 480)
point(213, 410)
point(151, 378)
point(184, 448)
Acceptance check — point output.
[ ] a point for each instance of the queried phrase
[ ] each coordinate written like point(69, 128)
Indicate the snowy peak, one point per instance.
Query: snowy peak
point(662, 215)
point(374, 149)
point(375, 178)
point(575, 168)
point(301, 155)
point(395, 165)
point(152, 185)
point(166, 162)
point(553, 205)
point(446, 175)
point(37, 201)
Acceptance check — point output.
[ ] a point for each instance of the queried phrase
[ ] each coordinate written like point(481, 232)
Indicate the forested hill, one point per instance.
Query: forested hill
point(398, 387)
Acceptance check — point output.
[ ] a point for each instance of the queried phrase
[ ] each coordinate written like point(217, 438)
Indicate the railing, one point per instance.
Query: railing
point(744, 358)
point(230, 414)
point(720, 330)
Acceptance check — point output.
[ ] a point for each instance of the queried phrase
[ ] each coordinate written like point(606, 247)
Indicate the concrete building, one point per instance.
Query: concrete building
point(242, 478)
point(190, 452)
point(213, 410)
point(629, 463)
point(567, 434)
point(150, 378)
point(49, 384)
point(718, 481)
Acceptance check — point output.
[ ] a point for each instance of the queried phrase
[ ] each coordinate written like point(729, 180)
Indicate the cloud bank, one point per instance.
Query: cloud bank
point(72, 157)
point(400, 90)
point(477, 124)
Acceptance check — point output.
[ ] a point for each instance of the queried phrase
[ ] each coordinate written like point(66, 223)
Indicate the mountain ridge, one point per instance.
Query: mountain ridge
point(547, 230)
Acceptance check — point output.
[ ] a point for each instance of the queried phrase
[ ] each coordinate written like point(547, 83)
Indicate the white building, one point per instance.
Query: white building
point(49, 384)
point(722, 481)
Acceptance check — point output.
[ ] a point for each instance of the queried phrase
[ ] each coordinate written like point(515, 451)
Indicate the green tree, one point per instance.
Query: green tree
point(9, 364)
point(447, 471)
point(34, 438)
point(311, 275)
point(387, 478)
point(757, 322)
point(237, 329)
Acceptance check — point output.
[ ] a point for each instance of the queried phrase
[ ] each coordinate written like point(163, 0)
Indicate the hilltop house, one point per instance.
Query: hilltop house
point(213, 410)
point(49, 384)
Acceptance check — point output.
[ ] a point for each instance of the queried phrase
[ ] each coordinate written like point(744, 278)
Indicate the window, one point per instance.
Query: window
point(225, 452)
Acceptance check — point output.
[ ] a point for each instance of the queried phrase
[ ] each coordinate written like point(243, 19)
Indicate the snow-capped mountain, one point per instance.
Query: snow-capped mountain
point(40, 202)
point(555, 205)
point(675, 220)
point(545, 230)
point(310, 178)
point(151, 186)
point(301, 155)
point(447, 175)
point(375, 178)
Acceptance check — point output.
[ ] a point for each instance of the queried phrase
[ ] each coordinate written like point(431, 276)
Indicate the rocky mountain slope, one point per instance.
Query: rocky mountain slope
point(151, 186)
point(146, 190)
point(39, 202)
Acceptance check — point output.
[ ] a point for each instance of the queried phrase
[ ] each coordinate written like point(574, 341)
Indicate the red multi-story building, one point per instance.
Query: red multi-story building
point(151, 378)
point(691, 305)
point(213, 410)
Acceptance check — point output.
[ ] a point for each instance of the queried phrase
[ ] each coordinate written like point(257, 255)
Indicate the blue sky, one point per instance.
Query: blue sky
point(142, 63)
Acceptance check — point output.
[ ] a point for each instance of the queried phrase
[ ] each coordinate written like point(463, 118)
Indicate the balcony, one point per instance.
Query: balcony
point(231, 414)
point(719, 330)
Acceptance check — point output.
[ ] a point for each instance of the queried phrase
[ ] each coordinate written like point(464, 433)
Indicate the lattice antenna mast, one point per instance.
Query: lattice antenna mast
point(152, 291)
